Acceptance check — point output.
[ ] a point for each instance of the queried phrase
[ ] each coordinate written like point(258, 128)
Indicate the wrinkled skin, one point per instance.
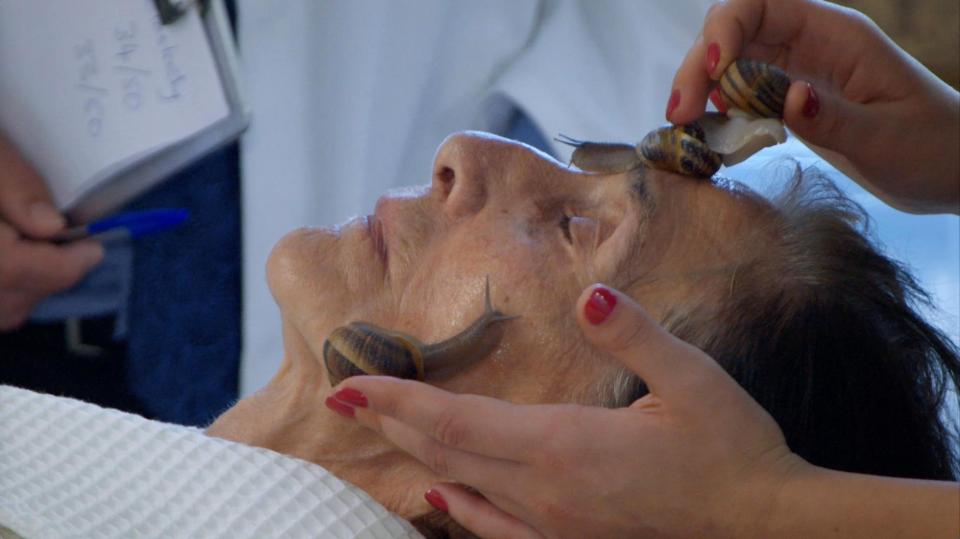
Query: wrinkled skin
point(494, 208)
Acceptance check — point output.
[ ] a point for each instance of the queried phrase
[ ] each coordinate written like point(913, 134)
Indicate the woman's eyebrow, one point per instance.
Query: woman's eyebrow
point(638, 186)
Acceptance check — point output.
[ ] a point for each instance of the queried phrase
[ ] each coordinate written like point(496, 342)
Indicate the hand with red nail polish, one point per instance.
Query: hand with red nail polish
point(857, 99)
point(673, 103)
point(695, 457)
point(599, 305)
point(578, 471)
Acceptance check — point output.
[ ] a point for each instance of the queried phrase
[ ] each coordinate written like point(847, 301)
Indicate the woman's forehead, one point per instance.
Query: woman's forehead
point(688, 225)
point(698, 196)
point(591, 189)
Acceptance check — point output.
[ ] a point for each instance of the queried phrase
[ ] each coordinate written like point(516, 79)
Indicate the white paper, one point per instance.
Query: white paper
point(89, 87)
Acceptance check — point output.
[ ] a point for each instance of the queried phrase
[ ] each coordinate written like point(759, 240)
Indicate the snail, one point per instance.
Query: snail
point(757, 88)
point(754, 92)
point(676, 148)
point(363, 348)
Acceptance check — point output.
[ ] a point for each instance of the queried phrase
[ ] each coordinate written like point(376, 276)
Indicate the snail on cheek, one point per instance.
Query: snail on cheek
point(755, 93)
point(361, 348)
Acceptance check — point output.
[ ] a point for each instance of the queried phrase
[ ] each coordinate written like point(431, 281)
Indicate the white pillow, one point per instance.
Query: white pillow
point(73, 469)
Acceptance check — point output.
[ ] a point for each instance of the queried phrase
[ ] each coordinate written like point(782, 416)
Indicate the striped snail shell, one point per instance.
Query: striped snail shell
point(363, 348)
point(681, 149)
point(674, 148)
point(755, 87)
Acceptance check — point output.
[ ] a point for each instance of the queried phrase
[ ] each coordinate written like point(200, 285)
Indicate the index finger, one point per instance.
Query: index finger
point(673, 370)
point(731, 30)
point(480, 425)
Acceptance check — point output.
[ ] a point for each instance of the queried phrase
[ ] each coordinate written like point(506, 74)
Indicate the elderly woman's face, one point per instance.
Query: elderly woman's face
point(540, 231)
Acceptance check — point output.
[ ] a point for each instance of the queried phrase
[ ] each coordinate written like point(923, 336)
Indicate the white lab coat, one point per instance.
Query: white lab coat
point(350, 98)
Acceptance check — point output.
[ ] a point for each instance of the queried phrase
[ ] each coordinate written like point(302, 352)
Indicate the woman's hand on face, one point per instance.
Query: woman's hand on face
point(859, 100)
point(695, 456)
point(30, 270)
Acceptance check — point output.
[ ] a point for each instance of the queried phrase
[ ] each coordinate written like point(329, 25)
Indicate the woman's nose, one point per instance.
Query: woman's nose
point(471, 168)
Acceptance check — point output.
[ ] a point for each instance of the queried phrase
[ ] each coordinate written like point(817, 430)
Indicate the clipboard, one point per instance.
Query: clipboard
point(49, 132)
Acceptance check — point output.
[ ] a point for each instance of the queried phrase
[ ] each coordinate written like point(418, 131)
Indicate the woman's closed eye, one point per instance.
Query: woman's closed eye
point(565, 226)
point(580, 231)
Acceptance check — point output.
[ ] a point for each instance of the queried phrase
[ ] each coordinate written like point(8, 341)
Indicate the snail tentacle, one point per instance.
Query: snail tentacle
point(601, 157)
point(475, 342)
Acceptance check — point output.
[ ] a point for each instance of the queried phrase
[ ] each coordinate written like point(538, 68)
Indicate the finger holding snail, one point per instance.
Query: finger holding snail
point(756, 88)
point(755, 93)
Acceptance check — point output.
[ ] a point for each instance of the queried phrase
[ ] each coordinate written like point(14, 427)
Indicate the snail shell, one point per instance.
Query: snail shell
point(755, 87)
point(681, 149)
point(363, 348)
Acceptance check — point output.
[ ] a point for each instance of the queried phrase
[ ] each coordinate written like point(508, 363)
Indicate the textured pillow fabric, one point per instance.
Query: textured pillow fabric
point(73, 469)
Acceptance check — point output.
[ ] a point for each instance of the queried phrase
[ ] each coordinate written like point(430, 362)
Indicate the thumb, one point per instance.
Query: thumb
point(477, 514)
point(824, 119)
point(51, 268)
point(616, 324)
point(24, 199)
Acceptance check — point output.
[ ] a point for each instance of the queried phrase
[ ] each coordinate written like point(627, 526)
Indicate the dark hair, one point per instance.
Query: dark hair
point(824, 331)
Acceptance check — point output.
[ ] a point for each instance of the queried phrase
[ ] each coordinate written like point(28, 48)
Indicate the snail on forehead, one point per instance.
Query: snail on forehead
point(363, 348)
point(755, 93)
point(677, 148)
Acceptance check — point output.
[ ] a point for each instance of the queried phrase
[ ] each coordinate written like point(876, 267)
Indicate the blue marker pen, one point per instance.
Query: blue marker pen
point(131, 224)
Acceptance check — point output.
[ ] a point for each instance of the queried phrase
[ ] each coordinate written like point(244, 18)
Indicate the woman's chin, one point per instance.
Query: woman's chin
point(323, 278)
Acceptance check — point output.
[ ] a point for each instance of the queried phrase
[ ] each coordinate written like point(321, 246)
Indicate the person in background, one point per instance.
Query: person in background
point(151, 326)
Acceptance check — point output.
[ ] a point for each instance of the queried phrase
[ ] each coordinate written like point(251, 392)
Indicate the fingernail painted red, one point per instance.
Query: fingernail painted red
point(812, 106)
point(351, 396)
point(436, 500)
point(717, 99)
point(672, 104)
point(343, 409)
point(713, 58)
point(600, 305)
